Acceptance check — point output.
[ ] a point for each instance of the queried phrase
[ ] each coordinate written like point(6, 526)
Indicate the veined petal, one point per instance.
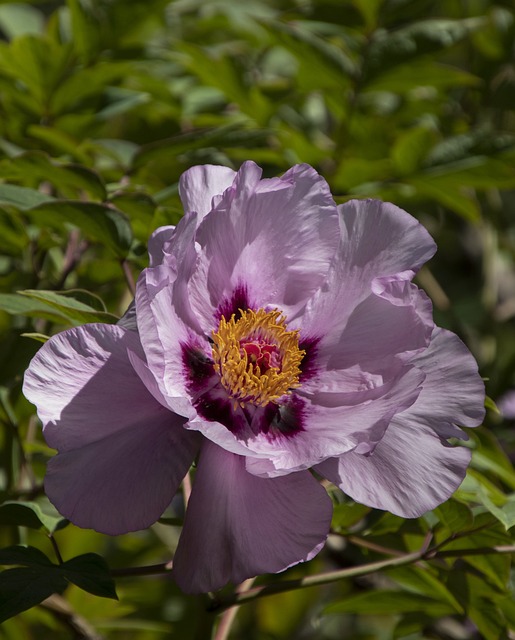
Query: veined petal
point(122, 455)
point(273, 238)
point(377, 240)
point(411, 471)
point(238, 526)
point(394, 321)
point(157, 244)
point(452, 393)
point(200, 185)
point(164, 335)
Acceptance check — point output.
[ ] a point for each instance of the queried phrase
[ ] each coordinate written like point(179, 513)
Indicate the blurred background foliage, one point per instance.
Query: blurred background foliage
point(103, 104)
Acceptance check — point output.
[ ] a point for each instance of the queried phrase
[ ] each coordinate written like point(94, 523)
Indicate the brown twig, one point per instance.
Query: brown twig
point(63, 612)
point(227, 618)
point(129, 278)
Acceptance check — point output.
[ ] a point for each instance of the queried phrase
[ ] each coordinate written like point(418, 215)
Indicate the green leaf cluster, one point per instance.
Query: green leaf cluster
point(103, 104)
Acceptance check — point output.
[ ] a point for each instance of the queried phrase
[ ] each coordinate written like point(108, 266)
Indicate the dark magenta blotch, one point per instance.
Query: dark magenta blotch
point(285, 420)
point(308, 365)
point(239, 301)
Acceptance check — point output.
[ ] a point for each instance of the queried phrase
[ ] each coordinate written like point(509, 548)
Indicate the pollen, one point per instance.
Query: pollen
point(257, 358)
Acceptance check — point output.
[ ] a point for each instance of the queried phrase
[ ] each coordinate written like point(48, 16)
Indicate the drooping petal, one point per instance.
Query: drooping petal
point(378, 240)
point(238, 526)
point(121, 454)
point(199, 185)
point(411, 471)
point(272, 238)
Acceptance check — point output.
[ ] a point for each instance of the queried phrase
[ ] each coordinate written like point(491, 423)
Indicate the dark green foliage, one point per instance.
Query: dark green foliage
point(103, 104)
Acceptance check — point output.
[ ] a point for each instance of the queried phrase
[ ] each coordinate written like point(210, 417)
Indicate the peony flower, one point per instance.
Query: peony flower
point(272, 334)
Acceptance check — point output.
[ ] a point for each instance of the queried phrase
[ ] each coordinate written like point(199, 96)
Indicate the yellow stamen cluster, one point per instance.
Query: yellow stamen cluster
point(245, 380)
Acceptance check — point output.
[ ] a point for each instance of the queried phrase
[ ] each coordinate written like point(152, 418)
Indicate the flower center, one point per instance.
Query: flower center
point(256, 357)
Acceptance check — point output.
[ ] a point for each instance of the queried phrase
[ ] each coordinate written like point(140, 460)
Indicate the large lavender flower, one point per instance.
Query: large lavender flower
point(274, 332)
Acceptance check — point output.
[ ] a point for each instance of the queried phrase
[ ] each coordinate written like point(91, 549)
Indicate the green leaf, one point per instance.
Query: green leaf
point(22, 589)
point(100, 223)
point(411, 148)
point(454, 515)
point(424, 73)
point(68, 307)
point(90, 573)
point(22, 197)
point(34, 335)
point(26, 556)
point(28, 514)
point(67, 178)
point(86, 30)
point(20, 19)
point(424, 582)
point(504, 513)
point(346, 515)
point(18, 305)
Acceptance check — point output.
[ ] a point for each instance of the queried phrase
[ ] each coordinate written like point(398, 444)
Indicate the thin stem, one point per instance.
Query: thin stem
point(149, 570)
point(316, 579)
point(129, 278)
point(186, 488)
point(361, 542)
point(62, 611)
point(56, 549)
point(229, 615)
point(244, 595)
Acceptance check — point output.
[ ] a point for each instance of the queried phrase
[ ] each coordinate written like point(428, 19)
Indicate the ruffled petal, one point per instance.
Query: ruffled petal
point(394, 321)
point(310, 428)
point(411, 471)
point(199, 185)
point(121, 454)
point(453, 392)
point(238, 526)
point(165, 337)
point(274, 239)
point(378, 240)
point(158, 243)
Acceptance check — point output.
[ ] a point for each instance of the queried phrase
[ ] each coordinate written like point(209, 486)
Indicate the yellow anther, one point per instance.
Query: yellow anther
point(256, 357)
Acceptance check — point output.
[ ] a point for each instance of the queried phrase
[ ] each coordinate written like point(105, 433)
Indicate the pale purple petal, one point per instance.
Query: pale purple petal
point(163, 334)
point(327, 422)
point(411, 471)
point(395, 320)
point(274, 239)
point(83, 385)
point(378, 240)
point(238, 526)
point(158, 243)
point(199, 185)
point(453, 392)
point(126, 480)
point(121, 455)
